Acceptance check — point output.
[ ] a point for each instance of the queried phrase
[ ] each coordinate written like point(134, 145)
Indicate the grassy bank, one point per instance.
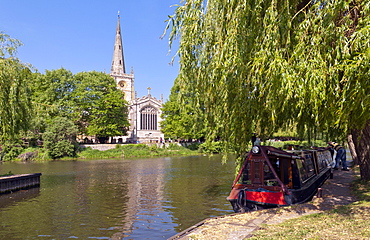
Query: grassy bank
point(140, 150)
point(345, 222)
point(120, 151)
point(135, 151)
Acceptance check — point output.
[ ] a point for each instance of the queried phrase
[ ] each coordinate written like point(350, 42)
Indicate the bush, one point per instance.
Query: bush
point(60, 138)
point(90, 153)
point(10, 152)
point(174, 146)
point(211, 147)
point(153, 147)
point(63, 148)
point(193, 146)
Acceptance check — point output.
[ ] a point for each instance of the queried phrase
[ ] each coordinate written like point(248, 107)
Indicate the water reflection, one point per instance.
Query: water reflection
point(21, 195)
point(118, 199)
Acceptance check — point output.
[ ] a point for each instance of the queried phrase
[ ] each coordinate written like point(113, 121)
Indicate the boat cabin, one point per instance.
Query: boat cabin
point(272, 177)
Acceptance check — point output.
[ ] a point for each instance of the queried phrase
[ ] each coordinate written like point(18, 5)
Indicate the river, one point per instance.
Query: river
point(116, 199)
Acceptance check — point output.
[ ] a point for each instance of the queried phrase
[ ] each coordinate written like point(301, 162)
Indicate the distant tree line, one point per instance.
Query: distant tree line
point(54, 107)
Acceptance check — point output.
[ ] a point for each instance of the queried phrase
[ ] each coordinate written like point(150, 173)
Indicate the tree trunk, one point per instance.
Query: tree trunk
point(361, 140)
point(352, 137)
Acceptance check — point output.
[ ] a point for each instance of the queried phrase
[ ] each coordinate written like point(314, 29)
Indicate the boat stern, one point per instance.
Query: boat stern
point(244, 199)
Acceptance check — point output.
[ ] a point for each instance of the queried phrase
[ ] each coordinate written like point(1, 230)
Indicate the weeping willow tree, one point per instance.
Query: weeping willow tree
point(15, 104)
point(271, 64)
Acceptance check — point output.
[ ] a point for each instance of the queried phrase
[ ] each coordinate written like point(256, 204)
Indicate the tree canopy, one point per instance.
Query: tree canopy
point(271, 64)
point(15, 104)
point(182, 122)
point(101, 106)
point(89, 99)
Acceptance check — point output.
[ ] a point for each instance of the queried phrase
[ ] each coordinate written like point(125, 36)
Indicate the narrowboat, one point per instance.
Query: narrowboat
point(271, 177)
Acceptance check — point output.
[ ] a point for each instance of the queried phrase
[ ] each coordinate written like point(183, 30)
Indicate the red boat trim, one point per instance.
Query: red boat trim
point(266, 197)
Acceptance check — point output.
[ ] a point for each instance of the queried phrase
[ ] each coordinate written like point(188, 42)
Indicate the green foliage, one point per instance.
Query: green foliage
point(135, 151)
point(102, 108)
point(182, 122)
point(295, 144)
point(52, 95)
point(212, 147)
point(90, 99)
point(15, 104)
point(267, 65)
point(193, 146)
point(8, 45)
point(40, 150)
point(60, 138)
point(10, 151)
point(88, 153)
point(174, 146)
point(7, 174)
point(153, 147)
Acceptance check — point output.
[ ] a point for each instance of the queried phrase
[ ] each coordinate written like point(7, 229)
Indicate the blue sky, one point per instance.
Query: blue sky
point(78, 35)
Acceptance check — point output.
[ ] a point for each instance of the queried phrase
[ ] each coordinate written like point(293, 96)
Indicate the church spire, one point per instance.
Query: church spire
point(118, 61)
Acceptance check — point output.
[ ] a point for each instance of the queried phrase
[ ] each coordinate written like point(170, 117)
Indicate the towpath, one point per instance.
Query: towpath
point(335, 192)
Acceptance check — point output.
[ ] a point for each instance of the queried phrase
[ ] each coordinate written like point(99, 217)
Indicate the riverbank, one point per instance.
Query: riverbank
point(107, 151)
point(135, 151)
point(321, 221)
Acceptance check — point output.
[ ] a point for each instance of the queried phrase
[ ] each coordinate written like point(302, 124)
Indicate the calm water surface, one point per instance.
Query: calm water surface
point(116, 199)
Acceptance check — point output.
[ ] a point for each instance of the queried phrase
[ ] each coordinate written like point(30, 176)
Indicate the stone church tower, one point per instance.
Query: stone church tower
point(145, 112)
point(125, 82)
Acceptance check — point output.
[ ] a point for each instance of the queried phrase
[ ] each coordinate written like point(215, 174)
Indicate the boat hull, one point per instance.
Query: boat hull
point(245, 200)
point(274, 178)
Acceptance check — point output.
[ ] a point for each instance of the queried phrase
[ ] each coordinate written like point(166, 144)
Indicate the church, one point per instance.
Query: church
point(145, 112)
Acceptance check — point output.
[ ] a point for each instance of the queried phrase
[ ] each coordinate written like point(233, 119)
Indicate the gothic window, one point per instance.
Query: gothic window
point(148, 118)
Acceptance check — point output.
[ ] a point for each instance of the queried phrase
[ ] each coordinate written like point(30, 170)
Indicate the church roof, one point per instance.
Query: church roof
point(118, 61)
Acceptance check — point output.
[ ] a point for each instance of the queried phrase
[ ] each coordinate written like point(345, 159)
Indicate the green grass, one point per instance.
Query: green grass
point(120, 151)
point(7, 174)
point(135, 151)
point(345, 222)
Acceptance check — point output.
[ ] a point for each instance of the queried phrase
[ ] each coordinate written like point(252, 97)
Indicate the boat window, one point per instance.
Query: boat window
point(244, 178)
point(285, 171)
point(256, 170)
point(324, 159)
point(306, 167)
point(269, 177)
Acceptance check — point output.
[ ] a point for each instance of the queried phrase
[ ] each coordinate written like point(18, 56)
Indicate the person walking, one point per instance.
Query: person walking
point(341, 155)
